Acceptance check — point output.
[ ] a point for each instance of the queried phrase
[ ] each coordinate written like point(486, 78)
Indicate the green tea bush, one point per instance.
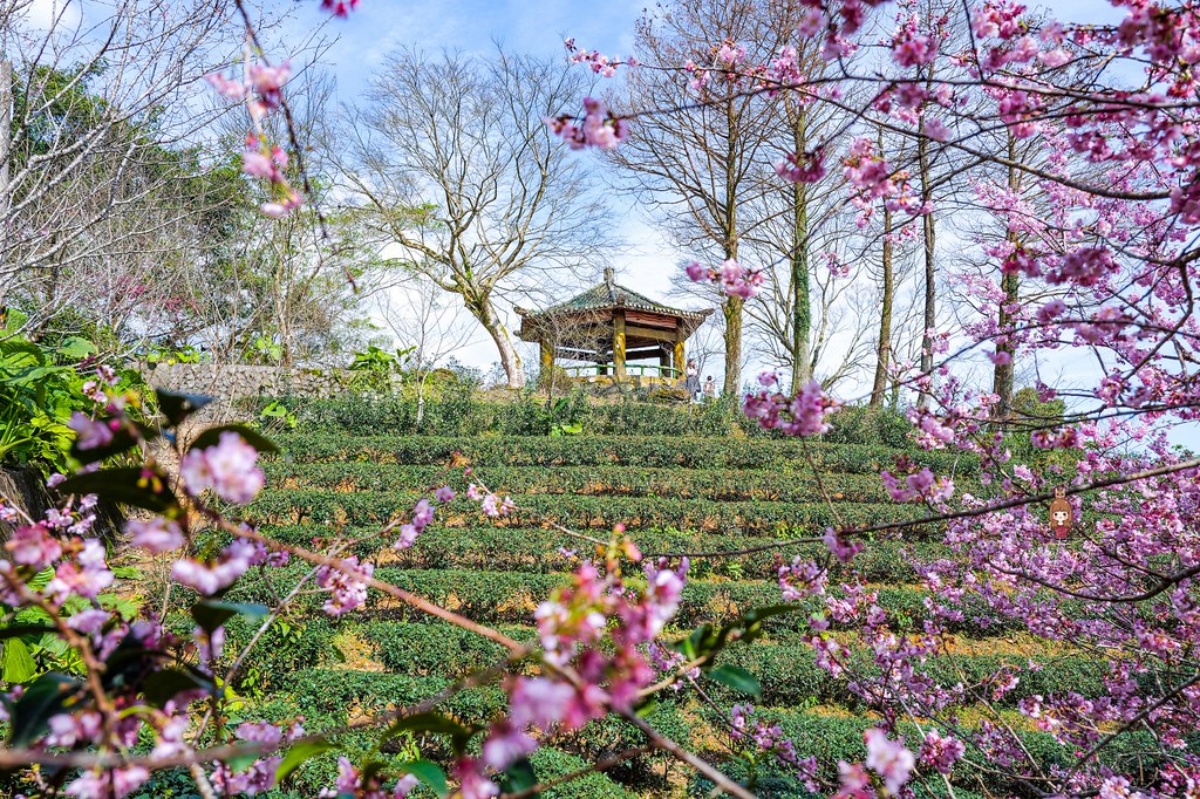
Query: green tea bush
point(550, 763)
point(287, 646)
point(786, 519)
point(711, 484)
point(595, 450)
point(536, 550)
point(859, 424)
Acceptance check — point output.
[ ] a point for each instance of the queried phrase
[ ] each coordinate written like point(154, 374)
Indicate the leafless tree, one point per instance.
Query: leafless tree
point(698, 168)
point(454, 169)
point(428, 327)
point(97, 109)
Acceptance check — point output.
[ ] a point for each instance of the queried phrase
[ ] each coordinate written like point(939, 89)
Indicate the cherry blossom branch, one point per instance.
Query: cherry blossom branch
point(603, 764)
point(679, 753)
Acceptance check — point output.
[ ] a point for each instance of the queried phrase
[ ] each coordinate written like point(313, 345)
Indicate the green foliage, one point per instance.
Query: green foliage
point(723, 485)
point(871, 426)
point(275, 416)
point(551, 763)
point(1030, 414)
point(777, 519)
point(596, 449)
point(186, 353)
point(679, 494)
point(530, 414)
point(40, 387)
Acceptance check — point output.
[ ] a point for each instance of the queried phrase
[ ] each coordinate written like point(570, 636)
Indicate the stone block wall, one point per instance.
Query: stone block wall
point(228, 383)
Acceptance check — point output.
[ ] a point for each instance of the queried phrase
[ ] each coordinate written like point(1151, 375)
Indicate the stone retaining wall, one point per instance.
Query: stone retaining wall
point(229, 383)
point(241, 381)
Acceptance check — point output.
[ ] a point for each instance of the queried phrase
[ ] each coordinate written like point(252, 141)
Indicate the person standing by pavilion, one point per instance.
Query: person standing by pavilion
point(692, 384)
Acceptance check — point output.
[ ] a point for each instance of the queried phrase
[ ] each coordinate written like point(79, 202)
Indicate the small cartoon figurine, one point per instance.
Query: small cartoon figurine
point(1060, 514)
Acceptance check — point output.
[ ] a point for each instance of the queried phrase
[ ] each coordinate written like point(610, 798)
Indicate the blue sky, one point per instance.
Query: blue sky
point(380, 26)
point(539, 27)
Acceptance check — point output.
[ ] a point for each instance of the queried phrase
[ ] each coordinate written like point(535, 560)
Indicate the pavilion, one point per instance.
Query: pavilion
point(608, 326)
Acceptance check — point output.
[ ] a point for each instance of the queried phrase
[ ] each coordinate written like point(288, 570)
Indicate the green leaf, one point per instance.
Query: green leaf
point(177, 406)
point(14, 630)
point(211, 614)
point(429, 722)
point(738, 679)
point(520, 777)
point(255, 439)
point(430, 775)
point(646, 707)
point(433, 723)
point(13, 320)
point(122, 440)
point(18, 664)
point(758, 615)
point(76, 348)
point(45, 697)
point(163, 686)
point(139, 486)
point(127, 572)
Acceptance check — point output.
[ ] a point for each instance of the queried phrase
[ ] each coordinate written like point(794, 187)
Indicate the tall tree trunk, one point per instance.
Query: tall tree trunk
point(801, 309)
point(930, 316)
point(1002, 375)
point(485, 312)
point(6, 77)
point(883, 350)
point(731, 308)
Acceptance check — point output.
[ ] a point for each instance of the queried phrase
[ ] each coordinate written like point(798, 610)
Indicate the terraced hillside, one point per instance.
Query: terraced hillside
point(674, 495)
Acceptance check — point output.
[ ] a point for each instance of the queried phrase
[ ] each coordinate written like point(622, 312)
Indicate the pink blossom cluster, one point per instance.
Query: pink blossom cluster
point(491, 504)
point(600, 127)
point(229, 467)
point(422, 516)
point(262, 87)
point(941, 752)
point(805, 414)
point(801, 579)
point(571, 624)
point(802, 168)
point(339, 8)
point(920, 486)
point(97, 388)
point(259, 776)
point(210, 577)
point(58, 542)
point(762, 739)
point(889, 759)
point(262, 91)
point(603, 65)
point(261, 160)
point(346, 583)
point(911, 47)
point(734, 279)
point(873, 178)
point(352, 782)
point(93, 433)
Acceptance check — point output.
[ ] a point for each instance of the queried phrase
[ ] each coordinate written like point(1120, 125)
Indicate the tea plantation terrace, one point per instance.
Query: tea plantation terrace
point(675, 495)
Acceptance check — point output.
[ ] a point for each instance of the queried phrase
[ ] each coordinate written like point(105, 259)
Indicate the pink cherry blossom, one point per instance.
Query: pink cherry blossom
point(889, 759)
point(156, 534)
point(229, 467)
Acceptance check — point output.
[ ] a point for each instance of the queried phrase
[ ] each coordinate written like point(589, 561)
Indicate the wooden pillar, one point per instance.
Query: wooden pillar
point(679, 362)
point(619, 344)
point(664, 360)
point(547, 375)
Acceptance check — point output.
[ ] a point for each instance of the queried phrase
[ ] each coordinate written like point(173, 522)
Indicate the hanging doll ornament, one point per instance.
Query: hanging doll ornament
point(1062, 515)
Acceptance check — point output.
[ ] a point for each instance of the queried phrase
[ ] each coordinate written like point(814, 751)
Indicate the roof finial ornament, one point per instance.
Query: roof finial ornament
point(608, 279)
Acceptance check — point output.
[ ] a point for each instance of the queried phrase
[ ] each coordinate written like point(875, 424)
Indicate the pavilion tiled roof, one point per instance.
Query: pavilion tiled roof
point(609, 294)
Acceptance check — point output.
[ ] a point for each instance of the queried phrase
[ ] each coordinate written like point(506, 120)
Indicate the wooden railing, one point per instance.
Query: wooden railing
point(631, 370)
